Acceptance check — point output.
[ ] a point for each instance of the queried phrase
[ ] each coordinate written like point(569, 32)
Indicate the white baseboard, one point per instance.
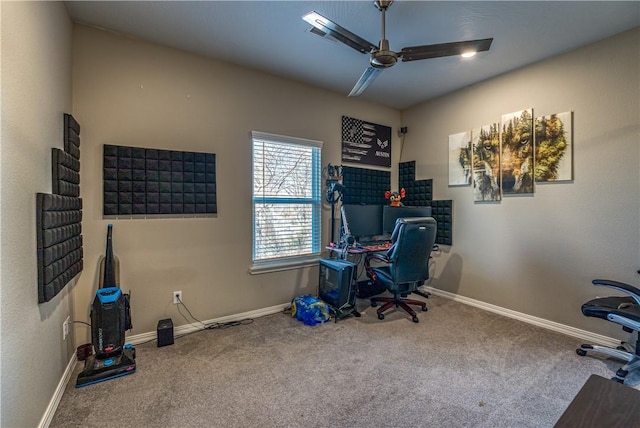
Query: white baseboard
point(585, 335)
point(190, 328)
point(57, 395)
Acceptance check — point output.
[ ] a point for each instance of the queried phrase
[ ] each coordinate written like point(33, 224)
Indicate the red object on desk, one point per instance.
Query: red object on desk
point(371, 248)
point(377, 247)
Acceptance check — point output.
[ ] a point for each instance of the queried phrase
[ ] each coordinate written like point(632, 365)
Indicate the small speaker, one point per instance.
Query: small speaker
point(165, 332)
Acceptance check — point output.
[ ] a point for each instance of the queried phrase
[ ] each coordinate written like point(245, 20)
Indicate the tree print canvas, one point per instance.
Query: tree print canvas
point(485, 144)
point(460, 159)
point(516, 156)
point(554, 147)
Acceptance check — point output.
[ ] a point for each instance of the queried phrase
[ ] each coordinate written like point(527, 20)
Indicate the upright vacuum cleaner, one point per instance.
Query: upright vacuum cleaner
point(110, 317)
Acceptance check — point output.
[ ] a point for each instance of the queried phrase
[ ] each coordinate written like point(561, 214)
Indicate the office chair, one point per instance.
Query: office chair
point(406, 264)
point(623, 310)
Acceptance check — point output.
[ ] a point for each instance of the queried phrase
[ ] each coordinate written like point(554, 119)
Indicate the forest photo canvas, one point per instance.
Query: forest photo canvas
point(516, 156)
point(554, 147)
point(460, 159)
point(485, 143)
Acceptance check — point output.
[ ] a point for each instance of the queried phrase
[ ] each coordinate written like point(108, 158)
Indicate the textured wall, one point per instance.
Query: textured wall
point(538, 254)
point(131, 93)
point(36, 92)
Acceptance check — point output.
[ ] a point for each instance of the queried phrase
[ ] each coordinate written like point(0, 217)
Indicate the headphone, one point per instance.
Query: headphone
point(334, 192)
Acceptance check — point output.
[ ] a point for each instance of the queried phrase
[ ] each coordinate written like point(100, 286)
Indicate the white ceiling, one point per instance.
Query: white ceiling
point(271, 36)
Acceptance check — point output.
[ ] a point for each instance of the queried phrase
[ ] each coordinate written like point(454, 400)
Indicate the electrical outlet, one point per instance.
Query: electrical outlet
point(65, 327)
point(177, 297)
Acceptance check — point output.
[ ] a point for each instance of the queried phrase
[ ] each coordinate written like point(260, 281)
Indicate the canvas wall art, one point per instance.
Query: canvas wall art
point(554, 147)
point(365, 143)
point(485, 143)
point(460, 159)
point(516, 154)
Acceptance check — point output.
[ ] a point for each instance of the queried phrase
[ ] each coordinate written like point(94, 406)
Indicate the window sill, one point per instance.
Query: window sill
point(281, 265)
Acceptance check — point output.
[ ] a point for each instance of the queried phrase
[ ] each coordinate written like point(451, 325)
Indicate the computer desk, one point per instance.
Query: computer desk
point(360, 250)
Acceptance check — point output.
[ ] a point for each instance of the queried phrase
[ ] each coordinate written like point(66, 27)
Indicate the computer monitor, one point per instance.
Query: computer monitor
point(362, 220)
point(391, 214)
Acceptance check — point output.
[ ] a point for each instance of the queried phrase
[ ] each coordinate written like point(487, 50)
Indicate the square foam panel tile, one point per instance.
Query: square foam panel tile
point(150, 181)
point(59, 217)
point(65, 164)
point(59, 242)
point(420, 194)
point(365, 186)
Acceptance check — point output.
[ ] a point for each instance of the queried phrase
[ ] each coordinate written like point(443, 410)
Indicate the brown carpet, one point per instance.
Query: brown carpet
point(458, 367)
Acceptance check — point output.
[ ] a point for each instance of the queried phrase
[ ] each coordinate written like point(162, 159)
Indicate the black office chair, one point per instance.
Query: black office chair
point(623, 310)
point(406, 264)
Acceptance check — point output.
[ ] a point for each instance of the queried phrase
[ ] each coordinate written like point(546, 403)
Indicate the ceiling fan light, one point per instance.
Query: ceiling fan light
point(468, 54)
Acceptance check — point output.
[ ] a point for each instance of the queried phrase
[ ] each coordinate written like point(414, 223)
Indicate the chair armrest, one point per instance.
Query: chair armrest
point(623, 320)
point(376, 256)
point(621, 286)
point(367, 263)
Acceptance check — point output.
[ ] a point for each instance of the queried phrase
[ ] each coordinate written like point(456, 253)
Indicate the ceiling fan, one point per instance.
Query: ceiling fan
point(381, 56)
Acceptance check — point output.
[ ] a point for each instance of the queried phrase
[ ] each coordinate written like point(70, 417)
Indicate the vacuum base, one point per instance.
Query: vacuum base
point(96, 370)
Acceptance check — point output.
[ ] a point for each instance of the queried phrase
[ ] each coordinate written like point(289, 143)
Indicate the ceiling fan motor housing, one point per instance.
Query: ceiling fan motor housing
point(383, 57)
point(382, 4)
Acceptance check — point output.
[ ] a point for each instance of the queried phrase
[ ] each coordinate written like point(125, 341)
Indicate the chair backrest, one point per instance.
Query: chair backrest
point(409, 255)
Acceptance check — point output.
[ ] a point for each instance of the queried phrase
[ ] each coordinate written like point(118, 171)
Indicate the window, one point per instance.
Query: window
point(286, 201)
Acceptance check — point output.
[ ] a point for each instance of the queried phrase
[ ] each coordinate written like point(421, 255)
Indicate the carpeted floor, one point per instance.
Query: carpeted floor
point(458, 367)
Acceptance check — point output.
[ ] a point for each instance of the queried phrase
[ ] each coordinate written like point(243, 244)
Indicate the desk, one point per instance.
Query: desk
point(367, 288)
point(364, 249)
point(602, 403)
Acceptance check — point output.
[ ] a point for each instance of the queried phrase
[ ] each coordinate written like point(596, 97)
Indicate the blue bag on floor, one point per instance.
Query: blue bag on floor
point(310, 310)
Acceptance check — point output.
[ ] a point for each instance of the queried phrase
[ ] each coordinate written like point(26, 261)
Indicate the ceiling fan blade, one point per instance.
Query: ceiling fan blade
point(365, 80)
point(339, 33)
point(414, 53)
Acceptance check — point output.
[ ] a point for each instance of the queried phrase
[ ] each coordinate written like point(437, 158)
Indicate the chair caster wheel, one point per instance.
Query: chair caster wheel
point(615, 379)
point(380, 316)
point(622, 373)
point(581, 352)
point(425, 309)
point(415, 319)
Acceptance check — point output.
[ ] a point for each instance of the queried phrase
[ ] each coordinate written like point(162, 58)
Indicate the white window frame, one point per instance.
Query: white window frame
point(278, 263)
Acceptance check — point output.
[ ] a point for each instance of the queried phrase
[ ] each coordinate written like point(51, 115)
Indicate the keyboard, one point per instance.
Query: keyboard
point(375, 245)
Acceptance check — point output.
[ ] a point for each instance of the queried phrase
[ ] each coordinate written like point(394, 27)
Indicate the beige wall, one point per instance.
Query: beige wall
point(128, 92)
point(36, 91)
point(538, 254)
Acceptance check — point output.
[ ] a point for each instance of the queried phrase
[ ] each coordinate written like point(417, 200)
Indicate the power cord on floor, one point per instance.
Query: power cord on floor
point(210, 326)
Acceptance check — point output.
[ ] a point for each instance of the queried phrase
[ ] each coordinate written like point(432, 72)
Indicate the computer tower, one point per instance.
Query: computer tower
point(337, 283)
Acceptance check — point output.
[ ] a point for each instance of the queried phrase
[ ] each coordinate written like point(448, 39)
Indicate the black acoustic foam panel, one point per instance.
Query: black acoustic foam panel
point(65, 165)
point(420, 193)
point(59, 217)
point(442, 212)
point(71, 136)
point(365, 186)
point(65, 173)
point(59, 242)
point(151, 181)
